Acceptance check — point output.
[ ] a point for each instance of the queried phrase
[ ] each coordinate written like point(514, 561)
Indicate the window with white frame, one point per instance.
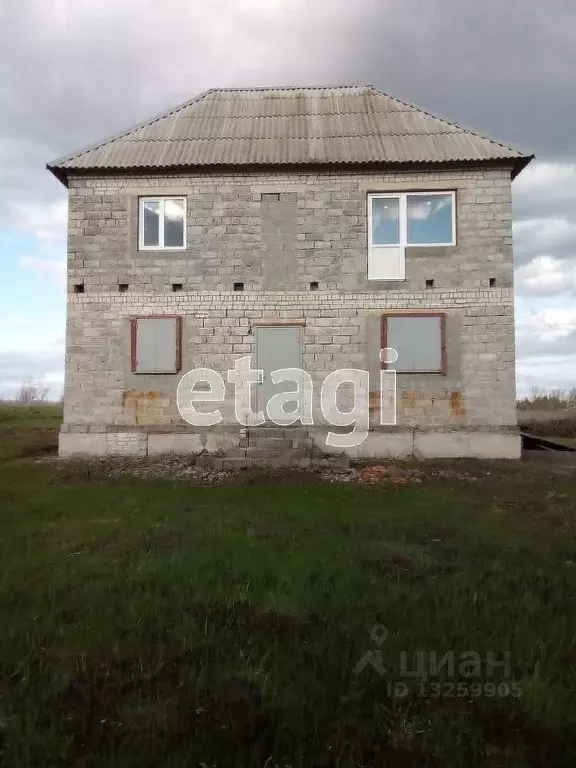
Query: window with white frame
point(162, 223)
point(419, 340)
point(409, 219)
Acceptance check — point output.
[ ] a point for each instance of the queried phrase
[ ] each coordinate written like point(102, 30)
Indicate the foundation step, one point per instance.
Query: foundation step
point(272, 447)
point(293, 433)
point(255, 452)
point(274, 443)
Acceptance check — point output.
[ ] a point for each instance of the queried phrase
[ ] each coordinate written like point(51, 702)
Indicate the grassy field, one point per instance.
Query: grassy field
point(550, 423)
point(28, 430)
point(569, 441)
point(158, 623)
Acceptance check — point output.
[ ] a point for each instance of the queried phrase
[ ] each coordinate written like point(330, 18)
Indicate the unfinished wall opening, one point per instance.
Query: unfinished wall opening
point(270, 197)
point(492, 282)
point(177, 287)
point(238, 286)
point(429, 283)
point(314, 285)
point(79, 288)
point(122, 287)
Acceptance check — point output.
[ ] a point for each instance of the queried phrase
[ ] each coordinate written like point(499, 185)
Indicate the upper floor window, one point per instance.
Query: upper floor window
point(396, 221)
point(162, 223)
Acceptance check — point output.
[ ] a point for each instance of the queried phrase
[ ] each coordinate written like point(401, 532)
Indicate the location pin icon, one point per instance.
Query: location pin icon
point(379, 633)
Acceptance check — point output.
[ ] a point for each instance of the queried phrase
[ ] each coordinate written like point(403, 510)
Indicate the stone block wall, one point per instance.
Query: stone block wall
point(315, 232)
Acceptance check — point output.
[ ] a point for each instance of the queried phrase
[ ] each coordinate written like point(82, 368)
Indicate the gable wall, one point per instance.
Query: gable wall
point(317, 232)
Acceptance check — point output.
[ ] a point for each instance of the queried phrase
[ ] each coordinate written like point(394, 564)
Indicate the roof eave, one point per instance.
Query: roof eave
point(520, 164)
point(60, 173)
point(516, 164)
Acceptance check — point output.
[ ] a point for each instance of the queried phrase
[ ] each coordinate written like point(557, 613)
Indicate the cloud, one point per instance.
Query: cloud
point(546, 373)
point(544, 198)
point(542, 237)
point(546, 349)
point(547, 333)
point(547, 276)
point(45, 222)
point(544, 206)
point(41, 357)
point(75, 72)
point(50, 268)
point(545, 190)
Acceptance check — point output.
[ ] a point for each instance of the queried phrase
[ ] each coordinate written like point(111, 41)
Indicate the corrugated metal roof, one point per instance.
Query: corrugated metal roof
point(289, 126)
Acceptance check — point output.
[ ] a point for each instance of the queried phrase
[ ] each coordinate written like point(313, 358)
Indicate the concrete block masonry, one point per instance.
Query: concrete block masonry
point(219, 328)
point(70, 444)
point(179, 444)
point(316, 233)
point(479, 445)
point(400, 445)
point(127, 443)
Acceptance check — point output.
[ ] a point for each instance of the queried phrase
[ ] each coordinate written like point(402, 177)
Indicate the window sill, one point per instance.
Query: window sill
point(390, 367)
point(155, 373)
point(161, 250)
point(386, 279)
point(430, 245)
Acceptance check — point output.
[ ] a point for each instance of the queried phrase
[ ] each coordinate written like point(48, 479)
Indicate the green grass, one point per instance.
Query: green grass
point(569, 441)
point(37, 415)
point(156, 623)
point(553, 426)
point(28, 430)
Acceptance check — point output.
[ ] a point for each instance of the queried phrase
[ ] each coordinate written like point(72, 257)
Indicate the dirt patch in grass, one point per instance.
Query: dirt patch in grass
point(539, 465)
point(229, 721)
point(26, 442)
point(504, 724)
point(379, 473)
point(396, 561)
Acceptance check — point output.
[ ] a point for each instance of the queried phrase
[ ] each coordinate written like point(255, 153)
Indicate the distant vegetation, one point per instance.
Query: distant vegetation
point(548, 400)
point(31, 391)
point(549, 413)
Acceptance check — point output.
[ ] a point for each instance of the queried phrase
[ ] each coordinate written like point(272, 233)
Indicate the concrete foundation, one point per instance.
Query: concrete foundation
point(397, 445)
point(127, 443)
point(179, 444)
point(71, 444)
point(478, 445)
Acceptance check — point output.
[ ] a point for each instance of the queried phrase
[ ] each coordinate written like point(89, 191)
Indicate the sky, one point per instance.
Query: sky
point(75, 71)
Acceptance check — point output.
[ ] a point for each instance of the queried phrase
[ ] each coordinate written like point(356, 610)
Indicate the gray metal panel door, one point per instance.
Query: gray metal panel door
point(156, 345)
point(276, 348)
point(418, 341)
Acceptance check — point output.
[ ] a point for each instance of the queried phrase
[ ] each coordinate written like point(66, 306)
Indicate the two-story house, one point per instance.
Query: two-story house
point(306, 228)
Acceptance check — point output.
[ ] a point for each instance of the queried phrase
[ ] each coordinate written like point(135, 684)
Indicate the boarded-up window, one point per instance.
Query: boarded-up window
point(419, 341)
point(156, 344)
